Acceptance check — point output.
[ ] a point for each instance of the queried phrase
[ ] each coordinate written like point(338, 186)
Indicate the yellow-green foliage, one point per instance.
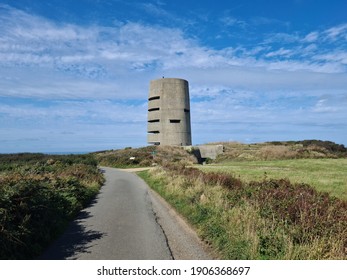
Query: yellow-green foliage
point(269, 219)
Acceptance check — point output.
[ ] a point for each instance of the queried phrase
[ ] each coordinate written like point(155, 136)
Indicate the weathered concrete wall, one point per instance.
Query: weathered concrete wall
point(210, 151)
point(169, 112)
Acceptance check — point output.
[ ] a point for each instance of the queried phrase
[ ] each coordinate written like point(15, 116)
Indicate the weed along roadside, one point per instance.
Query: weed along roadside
point(267, 219)
point(39, 195)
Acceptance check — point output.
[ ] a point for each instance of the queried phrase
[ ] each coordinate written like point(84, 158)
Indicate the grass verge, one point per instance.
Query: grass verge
point(268, 219)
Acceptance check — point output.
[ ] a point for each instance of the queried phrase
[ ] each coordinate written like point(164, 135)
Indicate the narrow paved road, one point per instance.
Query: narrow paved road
point(127, 221)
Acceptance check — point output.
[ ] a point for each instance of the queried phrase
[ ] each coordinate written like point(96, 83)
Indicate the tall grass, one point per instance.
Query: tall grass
point(268, 219)
point(39, 194)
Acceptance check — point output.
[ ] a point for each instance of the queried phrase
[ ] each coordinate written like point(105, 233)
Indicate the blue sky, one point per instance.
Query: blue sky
point(74, 75)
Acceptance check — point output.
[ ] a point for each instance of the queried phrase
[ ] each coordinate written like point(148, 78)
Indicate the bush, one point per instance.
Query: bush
point(38, 196)
point(308, 213)
point(146, 156)
point(122, 158)
point(327, 145)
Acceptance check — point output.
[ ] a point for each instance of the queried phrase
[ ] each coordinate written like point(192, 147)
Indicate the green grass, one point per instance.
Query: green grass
point(267, 219)
point(205, 219)
point(328, 175)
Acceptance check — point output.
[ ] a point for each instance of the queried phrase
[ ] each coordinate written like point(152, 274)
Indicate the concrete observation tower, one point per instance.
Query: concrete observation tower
point(169, 113)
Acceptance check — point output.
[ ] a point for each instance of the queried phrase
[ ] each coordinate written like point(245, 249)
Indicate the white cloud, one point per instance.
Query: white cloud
point(311, 37)
point(334, 33)
point(101, 111)
point(280, 52)
point(83, 62)
point(71, 125)
point(269, 21)
point(282, 38)
point(337, 56)
point(309, 50)
point(232, 21)
point(332, 103)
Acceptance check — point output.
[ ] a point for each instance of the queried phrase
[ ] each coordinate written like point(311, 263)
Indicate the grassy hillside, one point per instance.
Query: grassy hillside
point(281, 150)
point(321, 164)
point(143, 157)
point(158, 155)
point(278, 200)
point(39, 194)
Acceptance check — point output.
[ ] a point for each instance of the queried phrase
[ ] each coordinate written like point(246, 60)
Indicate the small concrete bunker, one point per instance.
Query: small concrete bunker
point(169, 113)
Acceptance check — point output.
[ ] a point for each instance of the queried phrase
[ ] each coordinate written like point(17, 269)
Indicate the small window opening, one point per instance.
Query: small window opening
point(175, 121)
point(154, 98)
point(153, 109)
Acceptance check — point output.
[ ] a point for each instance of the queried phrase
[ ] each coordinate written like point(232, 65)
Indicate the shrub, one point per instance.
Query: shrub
point(308, 213)
point(38, 196)
point(122, 158)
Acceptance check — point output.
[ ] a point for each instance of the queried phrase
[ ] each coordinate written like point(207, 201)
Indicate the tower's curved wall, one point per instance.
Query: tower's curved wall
point(169, 112)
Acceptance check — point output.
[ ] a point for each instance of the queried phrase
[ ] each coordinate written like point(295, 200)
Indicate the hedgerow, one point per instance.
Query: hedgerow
point(39, 194)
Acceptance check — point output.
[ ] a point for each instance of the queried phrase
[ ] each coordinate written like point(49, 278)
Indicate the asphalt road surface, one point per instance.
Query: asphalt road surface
point(127, 221)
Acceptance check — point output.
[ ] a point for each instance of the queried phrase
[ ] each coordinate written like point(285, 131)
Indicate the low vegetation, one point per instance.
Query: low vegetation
point(39, 194)
point(144, 157)
point(255, 201)
point(266, 219)
point(321, 164)
point(281, 150)
point(325, 174)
